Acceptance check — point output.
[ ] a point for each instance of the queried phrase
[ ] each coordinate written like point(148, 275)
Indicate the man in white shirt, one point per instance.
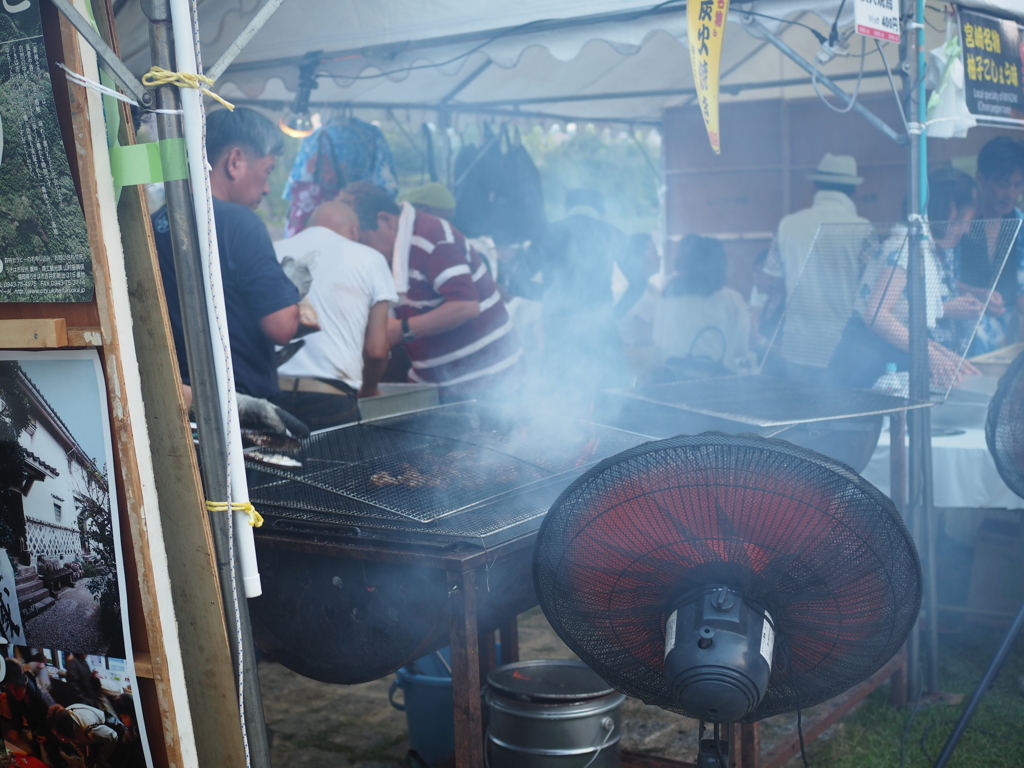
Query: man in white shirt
point(817, 311)
point(351, 291)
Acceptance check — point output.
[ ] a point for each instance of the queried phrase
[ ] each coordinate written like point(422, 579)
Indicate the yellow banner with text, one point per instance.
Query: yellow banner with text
point(705, 32)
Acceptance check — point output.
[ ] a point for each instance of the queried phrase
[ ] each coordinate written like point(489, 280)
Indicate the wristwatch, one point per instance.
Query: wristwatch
point(407, 335)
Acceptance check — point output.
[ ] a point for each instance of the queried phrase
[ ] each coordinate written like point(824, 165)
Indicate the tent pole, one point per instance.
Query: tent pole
point(200, 354)
point(919, 419)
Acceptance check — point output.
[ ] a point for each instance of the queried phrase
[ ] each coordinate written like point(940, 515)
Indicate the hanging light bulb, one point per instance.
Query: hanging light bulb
point(296, 121)
point(297, 126)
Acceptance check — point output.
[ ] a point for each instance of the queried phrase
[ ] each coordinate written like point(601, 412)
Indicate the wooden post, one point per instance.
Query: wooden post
point(510, 641)
point(469, 742)
point(195, 591)
point(488, 655)
point(750, 745)
point(130, 442)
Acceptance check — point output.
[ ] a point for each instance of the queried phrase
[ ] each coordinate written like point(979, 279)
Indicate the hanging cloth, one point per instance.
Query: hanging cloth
point(403, 243)
point(333, 156)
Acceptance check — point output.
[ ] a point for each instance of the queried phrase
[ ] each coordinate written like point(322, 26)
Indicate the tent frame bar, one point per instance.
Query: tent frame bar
point(439, 108)
point(493, 107)
point(731, 89)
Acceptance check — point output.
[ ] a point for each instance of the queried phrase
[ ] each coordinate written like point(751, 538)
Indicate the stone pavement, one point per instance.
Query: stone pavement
point(316, 725)
point(72, 623)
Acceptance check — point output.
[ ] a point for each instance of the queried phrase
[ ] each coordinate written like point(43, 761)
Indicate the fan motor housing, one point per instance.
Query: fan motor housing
point(718, 655)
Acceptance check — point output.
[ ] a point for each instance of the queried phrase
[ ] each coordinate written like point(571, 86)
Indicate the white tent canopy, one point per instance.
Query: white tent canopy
point(622, 60)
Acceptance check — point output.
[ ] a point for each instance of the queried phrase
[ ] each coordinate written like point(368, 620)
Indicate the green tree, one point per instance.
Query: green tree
point(618, 164)
point(15, 415)
point(96, 526)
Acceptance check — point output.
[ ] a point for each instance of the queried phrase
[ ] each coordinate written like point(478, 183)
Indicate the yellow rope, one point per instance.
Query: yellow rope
point(159, 76)
point(255, 518)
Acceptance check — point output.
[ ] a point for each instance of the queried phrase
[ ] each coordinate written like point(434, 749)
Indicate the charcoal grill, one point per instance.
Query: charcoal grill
point(360, 543)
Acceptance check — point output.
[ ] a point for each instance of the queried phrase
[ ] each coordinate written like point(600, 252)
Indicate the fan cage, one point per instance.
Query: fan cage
point(1004, 428)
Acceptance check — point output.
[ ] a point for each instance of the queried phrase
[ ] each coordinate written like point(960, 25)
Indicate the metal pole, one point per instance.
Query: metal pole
point(919, 419)
point(906, 70)
point(983, 685)
point(199, 351)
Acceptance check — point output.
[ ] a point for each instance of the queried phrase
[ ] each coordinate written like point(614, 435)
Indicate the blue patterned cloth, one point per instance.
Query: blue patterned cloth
point(333, 156)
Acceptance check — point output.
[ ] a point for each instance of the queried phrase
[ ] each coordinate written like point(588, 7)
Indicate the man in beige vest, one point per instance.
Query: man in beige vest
point(820, 266)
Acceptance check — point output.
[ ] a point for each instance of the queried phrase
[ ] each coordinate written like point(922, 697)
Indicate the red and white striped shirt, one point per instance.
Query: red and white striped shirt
point(479, 354)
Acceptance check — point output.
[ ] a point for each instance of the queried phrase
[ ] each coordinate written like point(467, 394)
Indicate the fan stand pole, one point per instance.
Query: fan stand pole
point(983, 685)
point(919, 419)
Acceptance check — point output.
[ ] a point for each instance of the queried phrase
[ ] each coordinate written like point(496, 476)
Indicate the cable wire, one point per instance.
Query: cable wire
point(800, 733)
point(821, 38)
point(856, 89)
point(892, 84)
point(718, 747)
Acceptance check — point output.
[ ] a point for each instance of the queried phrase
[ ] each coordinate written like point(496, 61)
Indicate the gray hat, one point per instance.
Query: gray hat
point(837, 169)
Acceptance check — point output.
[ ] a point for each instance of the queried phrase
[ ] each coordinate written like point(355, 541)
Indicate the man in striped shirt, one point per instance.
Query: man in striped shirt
point(450, 316)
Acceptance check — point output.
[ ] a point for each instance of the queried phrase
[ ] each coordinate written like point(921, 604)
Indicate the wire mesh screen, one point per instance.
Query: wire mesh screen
point(427, 465)
point(315, 511)
point(848, 315)
point(1004, 428)
point(797, 533)
point(765, 401)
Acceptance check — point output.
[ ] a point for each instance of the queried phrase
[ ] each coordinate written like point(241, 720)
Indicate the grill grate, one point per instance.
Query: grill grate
point(410, 471)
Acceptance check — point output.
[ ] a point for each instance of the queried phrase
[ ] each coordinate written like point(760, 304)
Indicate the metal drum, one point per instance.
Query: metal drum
point(552, 714)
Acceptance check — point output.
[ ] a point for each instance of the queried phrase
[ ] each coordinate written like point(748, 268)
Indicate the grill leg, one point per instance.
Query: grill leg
point(469, 740)
point(750, 745)
point(488, 654)
point(510, 641)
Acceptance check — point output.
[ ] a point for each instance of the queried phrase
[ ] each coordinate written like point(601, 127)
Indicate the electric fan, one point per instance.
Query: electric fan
point(1004, 427)
point(727, 577)
point(1004, 433)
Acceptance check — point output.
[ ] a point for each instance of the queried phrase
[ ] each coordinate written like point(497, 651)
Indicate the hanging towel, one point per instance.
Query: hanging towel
point(403, 242)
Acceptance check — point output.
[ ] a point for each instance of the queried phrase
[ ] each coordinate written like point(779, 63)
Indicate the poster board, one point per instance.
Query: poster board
point(60, 545)
point(44, 245)
point(993, 53)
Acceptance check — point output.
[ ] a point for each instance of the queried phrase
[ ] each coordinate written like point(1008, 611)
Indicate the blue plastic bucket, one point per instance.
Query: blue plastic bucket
point(427, 690)
point(426, 685)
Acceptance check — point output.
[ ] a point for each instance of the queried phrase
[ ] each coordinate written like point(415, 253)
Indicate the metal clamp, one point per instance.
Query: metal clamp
point(110, 61)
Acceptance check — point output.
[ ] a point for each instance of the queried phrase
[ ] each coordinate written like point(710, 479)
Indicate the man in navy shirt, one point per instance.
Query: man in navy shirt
point(261, 303)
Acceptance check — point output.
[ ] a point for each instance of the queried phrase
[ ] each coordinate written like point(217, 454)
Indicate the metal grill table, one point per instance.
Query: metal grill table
point(400, 535)
point(464, 573)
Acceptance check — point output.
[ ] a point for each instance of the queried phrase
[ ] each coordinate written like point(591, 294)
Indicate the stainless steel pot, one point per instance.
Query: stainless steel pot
point(551, 714)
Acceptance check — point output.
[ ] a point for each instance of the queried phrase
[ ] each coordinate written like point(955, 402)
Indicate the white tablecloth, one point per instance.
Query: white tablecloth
point(963, 475)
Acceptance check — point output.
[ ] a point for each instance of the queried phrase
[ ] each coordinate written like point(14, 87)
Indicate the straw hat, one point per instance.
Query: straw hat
point(837, 169)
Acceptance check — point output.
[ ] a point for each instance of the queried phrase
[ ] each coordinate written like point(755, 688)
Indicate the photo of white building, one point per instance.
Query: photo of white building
point(62, 478)
point(55, 520)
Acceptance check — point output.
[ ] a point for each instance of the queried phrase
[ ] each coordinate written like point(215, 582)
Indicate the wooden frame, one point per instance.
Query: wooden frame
point(188, 701)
